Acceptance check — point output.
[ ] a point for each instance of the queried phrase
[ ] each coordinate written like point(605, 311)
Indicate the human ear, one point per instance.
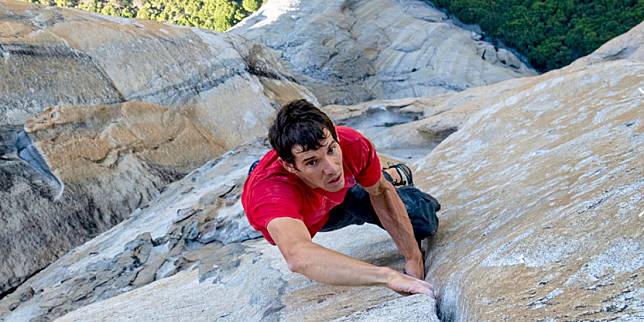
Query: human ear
point(288, 166)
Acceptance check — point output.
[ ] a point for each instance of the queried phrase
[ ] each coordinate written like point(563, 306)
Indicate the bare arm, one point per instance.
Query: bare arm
point(394, 218)
point(330, 267)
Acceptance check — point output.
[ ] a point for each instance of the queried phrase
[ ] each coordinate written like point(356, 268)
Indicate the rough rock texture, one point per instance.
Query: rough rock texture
point(174, 247)
point(167, 235)
point(127, 106)
point(352, 51)
point(53, 56)
point(111, 159)
point(411, 128)
point(543, 198)
point(541, 182)
point(273, 294)
point(90, 142)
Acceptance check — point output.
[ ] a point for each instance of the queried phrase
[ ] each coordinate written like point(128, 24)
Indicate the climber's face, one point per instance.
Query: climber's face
point(320, 168)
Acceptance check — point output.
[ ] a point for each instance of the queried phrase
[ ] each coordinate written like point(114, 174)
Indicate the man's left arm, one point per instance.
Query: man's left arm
point(394, 218)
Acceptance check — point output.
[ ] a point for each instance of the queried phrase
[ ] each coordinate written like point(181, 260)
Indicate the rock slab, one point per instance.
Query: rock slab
point(543, 198)
point(156, 265)
point(122, 107)
point(348, 52)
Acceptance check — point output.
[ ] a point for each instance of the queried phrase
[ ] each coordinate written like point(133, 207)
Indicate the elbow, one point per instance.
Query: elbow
point(297, 261)
point(387, 188)
point(294, 265)
point(381, 190)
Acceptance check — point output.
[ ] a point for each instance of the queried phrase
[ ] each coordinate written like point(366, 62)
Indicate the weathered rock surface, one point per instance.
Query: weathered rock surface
point(410, 128)
point(158, 240)
point(352, 51)
point(111, 159)
point(426, 121)
point(130, 106)
point(54, 56)
point(540, 180)
point(273, 294)
point(543, 198)
point(190, 275)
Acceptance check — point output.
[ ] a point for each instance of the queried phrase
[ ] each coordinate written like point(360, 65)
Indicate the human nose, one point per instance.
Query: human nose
point(327, 167)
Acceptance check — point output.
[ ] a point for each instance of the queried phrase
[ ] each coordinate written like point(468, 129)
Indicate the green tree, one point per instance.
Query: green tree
point(66, 3)
point(251, 5)
point(218, 15)
point(550, 33)
point(90, 5)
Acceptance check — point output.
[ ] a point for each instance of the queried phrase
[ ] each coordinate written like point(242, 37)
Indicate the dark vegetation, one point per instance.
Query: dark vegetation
point(550, 33)
point(217, 15)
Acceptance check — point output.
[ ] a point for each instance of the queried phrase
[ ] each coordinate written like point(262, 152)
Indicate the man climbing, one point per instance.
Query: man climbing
point(320, 177)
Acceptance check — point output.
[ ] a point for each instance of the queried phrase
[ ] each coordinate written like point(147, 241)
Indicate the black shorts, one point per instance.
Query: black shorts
point(356, 209)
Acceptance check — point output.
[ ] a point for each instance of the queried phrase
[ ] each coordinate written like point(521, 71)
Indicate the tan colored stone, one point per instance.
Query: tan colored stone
point(130, 106)
point(541, 187)
point(78, 140)
point(542, 198)
point(56, 56)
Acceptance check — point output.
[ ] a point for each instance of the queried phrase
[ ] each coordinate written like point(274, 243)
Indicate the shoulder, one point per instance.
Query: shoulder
point(269, 178)
point(352, 142)
point(348, 135)
point(273, 181)
point(270, 194)
point(359, 156)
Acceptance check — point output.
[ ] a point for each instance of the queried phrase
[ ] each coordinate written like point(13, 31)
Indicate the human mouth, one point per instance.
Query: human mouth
point(336, 180)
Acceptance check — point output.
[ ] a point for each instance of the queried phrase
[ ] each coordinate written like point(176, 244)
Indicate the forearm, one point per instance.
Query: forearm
point(330, 267)
point(394, 218)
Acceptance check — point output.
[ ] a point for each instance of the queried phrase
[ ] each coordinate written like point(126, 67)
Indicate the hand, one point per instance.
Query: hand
point(415, 268)
point(406, 284)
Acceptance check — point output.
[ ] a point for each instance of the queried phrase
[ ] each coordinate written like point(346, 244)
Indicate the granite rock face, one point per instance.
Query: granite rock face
point(411, 128)
point(54, 56)
point(122, 107)
point(540, 179)
point(105, 160)
point(543, 198)
point(347, 52)
point(273, 294)
point(167, 262)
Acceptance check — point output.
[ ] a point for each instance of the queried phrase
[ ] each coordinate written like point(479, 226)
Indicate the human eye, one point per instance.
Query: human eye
point(332, 149)
point(312, 163)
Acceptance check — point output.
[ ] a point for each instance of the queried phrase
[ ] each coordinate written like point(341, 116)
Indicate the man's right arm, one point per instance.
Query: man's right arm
point(330, 267)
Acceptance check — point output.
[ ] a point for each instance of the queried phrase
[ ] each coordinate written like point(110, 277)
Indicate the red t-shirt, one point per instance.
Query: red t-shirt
point(271, 192)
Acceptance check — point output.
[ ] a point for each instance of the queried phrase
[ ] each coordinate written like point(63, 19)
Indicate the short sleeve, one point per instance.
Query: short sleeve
point(369, 171)
point(270, 200)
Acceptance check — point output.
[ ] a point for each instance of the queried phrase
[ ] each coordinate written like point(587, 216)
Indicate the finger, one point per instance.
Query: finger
point(420, 288)
point(423, 289)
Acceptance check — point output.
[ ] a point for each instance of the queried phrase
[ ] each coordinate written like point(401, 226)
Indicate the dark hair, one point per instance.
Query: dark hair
point(299, 123)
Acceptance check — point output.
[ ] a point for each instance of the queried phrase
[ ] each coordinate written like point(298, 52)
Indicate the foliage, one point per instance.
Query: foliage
point(550, 33)
point(251, 5)
point(219, 15)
